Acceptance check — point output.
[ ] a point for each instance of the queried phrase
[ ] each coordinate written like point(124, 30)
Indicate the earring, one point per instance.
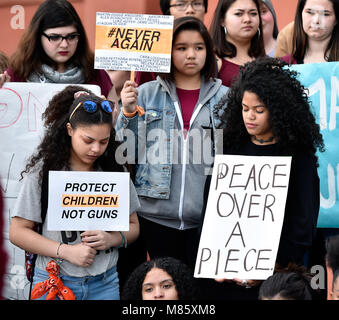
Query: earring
point(225, 30)
point(258, 32)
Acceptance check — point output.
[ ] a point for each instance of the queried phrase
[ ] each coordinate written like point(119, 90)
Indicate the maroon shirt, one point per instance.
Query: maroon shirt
point(143, 77)
point(288, 59)
point(188, 100)
point(228, 72)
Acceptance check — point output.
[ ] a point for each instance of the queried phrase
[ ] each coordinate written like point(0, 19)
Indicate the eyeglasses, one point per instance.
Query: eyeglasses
point(58, 38)
point(91, 107)
point(183, 5)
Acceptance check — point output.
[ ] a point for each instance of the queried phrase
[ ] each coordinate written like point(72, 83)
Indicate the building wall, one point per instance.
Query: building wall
point(15, 15)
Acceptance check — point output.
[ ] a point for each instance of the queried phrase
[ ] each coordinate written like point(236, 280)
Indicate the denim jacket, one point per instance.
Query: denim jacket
point(155, 131)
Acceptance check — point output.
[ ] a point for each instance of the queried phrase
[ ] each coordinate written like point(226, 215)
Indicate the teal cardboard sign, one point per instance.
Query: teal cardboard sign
point(322, 81)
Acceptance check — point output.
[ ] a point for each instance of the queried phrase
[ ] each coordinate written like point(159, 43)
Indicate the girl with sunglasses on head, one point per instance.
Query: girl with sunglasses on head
point(55, 49)
point(179, 110)
point(79, 137)
point(237, 34)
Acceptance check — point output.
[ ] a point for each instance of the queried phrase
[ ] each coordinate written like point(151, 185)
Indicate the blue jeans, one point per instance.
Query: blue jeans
point(104, 286)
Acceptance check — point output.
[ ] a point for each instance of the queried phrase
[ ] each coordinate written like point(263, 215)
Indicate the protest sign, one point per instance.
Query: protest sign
point(244, 217)
point(21, 130)
point(133, 42)
point(322, 81)
point(80, 201)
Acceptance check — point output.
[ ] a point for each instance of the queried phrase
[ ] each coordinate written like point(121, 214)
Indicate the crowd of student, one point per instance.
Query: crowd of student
point(225, 79)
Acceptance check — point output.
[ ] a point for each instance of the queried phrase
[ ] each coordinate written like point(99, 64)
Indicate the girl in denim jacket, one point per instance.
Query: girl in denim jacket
point(173, 142)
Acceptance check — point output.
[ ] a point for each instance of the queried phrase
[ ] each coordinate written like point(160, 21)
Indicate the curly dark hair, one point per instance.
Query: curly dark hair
point(292, 120)
point(291, 283)
point(54, 150)
point(181, 274)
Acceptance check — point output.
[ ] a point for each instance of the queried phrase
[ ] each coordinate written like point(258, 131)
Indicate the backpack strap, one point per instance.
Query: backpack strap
point(44, 195)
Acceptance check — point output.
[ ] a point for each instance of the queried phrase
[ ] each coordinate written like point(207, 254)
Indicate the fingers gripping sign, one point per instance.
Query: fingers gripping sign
point(100, 240)
point(129, 96)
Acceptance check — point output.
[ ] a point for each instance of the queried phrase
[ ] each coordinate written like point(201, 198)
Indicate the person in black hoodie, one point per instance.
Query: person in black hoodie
point(268, 114)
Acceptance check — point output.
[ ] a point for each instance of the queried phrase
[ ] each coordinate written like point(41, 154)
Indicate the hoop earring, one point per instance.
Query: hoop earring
point(225, 30)
point(258, 32)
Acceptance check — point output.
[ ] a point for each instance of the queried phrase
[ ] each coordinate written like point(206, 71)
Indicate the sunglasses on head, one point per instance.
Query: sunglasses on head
point(91, 106)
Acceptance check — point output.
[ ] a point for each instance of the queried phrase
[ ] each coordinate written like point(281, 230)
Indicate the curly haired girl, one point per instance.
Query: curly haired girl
point(268, 114)
point(79, 137)
point(160, 278)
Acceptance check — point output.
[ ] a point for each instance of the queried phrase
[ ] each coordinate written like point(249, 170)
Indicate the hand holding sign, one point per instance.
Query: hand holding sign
point(244, 216)
point(78, 254)
point(101, 240)
point(129, 96)
point(4, 77)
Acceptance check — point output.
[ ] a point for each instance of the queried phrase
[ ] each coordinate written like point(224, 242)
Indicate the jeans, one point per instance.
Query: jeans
point(104, 286)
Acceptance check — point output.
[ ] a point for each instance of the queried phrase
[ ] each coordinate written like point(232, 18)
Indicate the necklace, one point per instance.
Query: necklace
point(261, 141)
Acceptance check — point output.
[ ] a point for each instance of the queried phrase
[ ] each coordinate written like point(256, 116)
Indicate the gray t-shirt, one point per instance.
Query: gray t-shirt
point(28, 206)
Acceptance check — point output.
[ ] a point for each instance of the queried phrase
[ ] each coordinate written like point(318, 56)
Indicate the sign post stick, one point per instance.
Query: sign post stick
point(132, 75)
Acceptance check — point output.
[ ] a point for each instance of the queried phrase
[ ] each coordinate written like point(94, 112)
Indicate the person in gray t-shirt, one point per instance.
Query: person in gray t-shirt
point(79, 137)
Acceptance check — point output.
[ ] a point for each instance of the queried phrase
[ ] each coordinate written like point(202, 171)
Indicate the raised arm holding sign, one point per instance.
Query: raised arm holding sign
point(179, 109)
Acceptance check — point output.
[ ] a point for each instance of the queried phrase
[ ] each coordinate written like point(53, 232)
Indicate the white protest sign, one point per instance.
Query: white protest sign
point(79, 201)
point(244, 217)
point(21, 129)
point(133, 42)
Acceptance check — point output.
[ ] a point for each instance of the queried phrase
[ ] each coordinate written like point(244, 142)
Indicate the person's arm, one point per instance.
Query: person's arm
point(301, 211)
point(21, 234)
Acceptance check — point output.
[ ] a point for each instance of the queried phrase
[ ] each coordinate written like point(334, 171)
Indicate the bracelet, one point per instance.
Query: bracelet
point(123, 241)
point(138, 109)
point(58, 259)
